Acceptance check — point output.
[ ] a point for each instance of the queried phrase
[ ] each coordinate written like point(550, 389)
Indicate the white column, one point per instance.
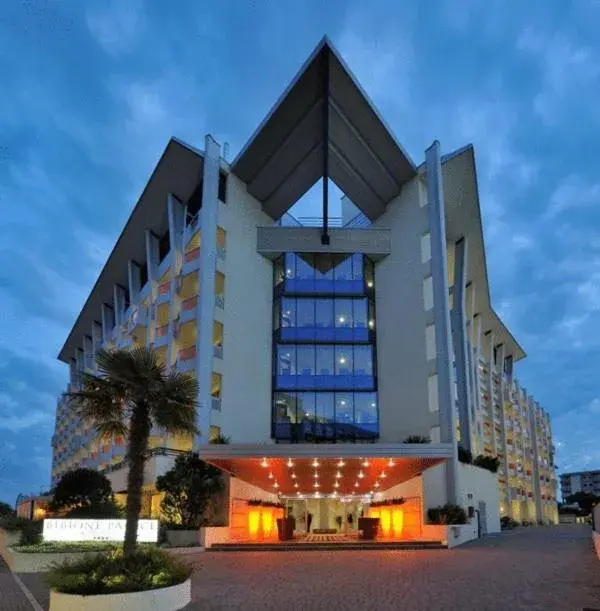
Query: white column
point(119, 301)
point(209, 217)
point(133, 277)
point(107, 314)
point(176, 216)
point(96, 338)
point(439, 270)
point(152, 256)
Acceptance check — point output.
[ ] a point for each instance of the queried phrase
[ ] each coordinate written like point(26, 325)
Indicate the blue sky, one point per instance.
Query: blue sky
point(92, 91)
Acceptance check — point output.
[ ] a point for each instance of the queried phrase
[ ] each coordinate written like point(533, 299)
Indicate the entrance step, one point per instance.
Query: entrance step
point(312, 546)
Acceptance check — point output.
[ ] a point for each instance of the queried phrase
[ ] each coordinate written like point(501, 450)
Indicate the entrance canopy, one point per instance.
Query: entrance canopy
point(323, 125)
point(325, 470)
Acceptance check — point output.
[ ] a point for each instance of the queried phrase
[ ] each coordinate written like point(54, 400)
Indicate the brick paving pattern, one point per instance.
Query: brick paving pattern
point(549, 569)
point(538, 569)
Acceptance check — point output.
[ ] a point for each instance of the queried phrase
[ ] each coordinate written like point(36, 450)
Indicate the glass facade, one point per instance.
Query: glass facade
point(324, 361)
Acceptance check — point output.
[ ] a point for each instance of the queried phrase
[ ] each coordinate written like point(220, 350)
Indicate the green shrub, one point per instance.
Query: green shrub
point(113, 573)
point(6, 510)
point(31, 532)
point(464, 455)
point(109, 509)
point(416, 439)
point(447, 514)
point(13, 523)
point(52, 547)
point(491, 463)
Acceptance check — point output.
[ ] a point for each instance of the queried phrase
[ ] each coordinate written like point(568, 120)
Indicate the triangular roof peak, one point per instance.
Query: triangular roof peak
point(323, 125)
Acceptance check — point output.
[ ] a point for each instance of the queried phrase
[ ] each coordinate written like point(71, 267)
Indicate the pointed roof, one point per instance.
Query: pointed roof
point(284, 156)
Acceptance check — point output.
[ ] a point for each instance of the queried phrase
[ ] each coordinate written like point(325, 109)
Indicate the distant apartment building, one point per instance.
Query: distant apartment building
point(580, 481)
point(319, 347)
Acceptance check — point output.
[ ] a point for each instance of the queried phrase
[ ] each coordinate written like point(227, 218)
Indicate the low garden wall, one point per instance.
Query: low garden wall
point(39, 562)
point(451, 535)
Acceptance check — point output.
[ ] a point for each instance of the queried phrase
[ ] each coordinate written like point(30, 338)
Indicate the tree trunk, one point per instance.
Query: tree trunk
point(139, 431)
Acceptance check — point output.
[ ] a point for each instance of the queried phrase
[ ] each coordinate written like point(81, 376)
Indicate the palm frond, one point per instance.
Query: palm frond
point(173, 404)
point(100, 400)
point(135, 369)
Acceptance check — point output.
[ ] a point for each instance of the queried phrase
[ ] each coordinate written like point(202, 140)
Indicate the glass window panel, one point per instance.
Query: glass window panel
point(360, 313)
point(371, 315)
point(278, 271)
point(343, 268)
point(357, 266)
point(363, 361)
point(306, 406)
point(305, 269)
point(325, 356)
point(324, 313)
point(324, 404)
point(343, 313)
point(286, 360)
point(305, 360)
point(343, 360)
point(323, 267)
point(285, 407)
point(290, 265)
point(344, 408)
point(369, 273)
point(288, 312)
point(365, 404)
point(305, 313)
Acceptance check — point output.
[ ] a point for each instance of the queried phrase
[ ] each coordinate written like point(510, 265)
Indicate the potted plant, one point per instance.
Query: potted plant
point(338, 521)
point(188, 488)
point(143, 579)
point(309, 517)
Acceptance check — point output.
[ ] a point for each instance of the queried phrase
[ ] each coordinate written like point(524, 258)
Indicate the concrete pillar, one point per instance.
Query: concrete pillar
point(176, 216)
point(152, 256)
point(459, 337)
point(96, 337)
point(134, 281)
point(119, 301)
point(107, 314)
point(209, 218)
point(439, 272)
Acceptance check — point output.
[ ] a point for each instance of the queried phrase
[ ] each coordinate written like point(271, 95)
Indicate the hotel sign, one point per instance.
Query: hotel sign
point(97, 530)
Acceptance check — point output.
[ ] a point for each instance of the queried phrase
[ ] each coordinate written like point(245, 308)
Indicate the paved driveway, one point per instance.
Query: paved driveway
point(527, 569)
point(549, 569)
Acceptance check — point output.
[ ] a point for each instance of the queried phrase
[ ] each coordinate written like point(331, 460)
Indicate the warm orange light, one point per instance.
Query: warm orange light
point(397, 522)
point(385, 522)
point(267, 522)
point(253, 523)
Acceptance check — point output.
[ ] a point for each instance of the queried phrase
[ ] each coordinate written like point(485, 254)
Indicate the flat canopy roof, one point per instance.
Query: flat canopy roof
point(341, 469)
point(284, 157)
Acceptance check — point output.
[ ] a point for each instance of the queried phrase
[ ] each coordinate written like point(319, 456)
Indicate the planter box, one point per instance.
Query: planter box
point(162, 599)
point(368, 528)
point(21, 562)
point(182, 538)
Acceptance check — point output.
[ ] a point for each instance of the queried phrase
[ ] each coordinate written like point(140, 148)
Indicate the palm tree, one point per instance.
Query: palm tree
point(132, 393)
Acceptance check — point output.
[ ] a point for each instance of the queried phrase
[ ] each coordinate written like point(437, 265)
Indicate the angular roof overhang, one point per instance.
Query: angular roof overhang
point(323, 111)
point(178, 172)
point(301, 469)
point(463, 219)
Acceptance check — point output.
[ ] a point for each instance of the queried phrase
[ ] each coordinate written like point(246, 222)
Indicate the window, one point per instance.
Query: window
point(324, 405)
point(285, 407)
point(324, 313)
point(217, 334)
point(222, 189)
point(278, 273)
point(325, 356)
point(344, 408)
point(305, 272)
point(305, 313)
point(220, 284)
point(305, 361)
point(221, 238)
point(288, 312)
point(290, 265)
point(286, 360)
point(214, 433)
point(343, 360)
point(357, 267)
point(216, 385)
point(363, 360)
point(343, 313)
point(369, 273)
point(164, 245)
point(343, 268)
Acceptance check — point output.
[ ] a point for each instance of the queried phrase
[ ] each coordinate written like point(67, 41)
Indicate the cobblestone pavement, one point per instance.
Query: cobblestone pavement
point(549, 569)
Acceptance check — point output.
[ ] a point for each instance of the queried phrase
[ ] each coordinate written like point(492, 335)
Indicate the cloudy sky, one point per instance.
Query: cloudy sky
point(92, 91)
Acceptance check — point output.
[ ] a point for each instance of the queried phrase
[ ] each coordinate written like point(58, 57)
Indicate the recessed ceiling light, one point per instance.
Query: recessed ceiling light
point(370, 284)
point(264, 463)
point(356, 485)
point(365, 463)
point(376, 484)
point(316, 485)
point(382, 474)
point(316, 475)
point(338, 475)
point(336, 485)
point(360, 475)
point(290, 462)
point(342, 319)
point(342, 360)
point(275, 485)
point(341, 463)
point(296, 485)
point(342, 402)
point(315, 463)
point(271, 476)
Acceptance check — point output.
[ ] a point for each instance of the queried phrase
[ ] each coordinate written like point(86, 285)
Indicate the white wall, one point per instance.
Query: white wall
point(247, 324)
point(402, 362)
point(480, 484)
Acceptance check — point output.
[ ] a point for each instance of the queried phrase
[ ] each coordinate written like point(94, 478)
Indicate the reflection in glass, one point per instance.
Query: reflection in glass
point(288, 312)
point(286, 360)
point(325, 412)
point(324, 313)
point(325, 356)
point(305, 360)
point(363, 360)
point(285, 407)
point(305, 313)
point(344, 407)
point(343, 360)
point(343, 313)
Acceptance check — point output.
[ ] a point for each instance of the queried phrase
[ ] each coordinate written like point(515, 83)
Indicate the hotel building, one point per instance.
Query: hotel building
point(319, 347)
